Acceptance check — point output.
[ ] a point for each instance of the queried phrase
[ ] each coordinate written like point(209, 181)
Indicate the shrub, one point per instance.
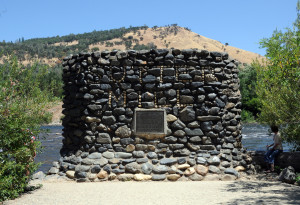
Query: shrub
point(22, 109)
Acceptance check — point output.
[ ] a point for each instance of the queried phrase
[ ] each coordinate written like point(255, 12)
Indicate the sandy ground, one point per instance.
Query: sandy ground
point(188, 192)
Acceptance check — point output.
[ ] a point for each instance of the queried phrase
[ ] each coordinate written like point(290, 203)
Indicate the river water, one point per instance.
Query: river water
point(255, 137)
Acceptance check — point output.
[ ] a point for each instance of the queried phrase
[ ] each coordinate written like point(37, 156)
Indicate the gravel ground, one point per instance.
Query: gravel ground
point(185, 192)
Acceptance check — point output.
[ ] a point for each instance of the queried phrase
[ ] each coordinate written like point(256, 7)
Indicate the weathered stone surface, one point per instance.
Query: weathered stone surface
point(123, 155)
point(288, 175)
point(142, 177)
point(201, 160)
point(95, 169)
point(158, 177)
point(173, 177)
point(138, 154)
point(179, 133)
point(232, 172)
point(202, 170)
point(40, 175)
point(171, 118)
point(239, 168)
point(196, 177)
point(189, 171)
point(212, 177)
point(133, 168)
point(130, 148)
point(123, 132)
point(108, 155)
point(103, 138)
point(225, 164)
point(187, 114)
point(94, 155)
point(228, 177)
point(152, 155)
point(193, 132)
point(53, 170)
point(168, 161)
point(125, 177)
point(102, 174)
point(147, 168)
point(92, 119)
point(178, 125)
point(183, 166)
point(214, 169)
point(101, 162)
point(112, 176)
point(214, 161)
point(82, 168)
point(87, 161)
point(70, 174)
point(208, 118)
point(108, 120)
point(160, 169)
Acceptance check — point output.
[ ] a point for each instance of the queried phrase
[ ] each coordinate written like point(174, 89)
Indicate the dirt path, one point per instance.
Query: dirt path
point(204, 192)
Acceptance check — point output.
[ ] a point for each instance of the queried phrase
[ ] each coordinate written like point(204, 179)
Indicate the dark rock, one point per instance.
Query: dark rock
point(127, 161)
point(288, 175)
point(195, 139)
point(201, 160)
point(152, 155)
point(133, 168)
point(168, 161)
point(94, 155)
point(231, 171)
point(178, 125)
point(158, 177)
point(103, 138)
point(123, 155)
point(138, 154)
point(123, 131)
point(181, 160)
point(108, 120)
point(179, 133)
point(214, 161)
point(182, 152)
point(168, 71)
point(206, 126)
point(142, 160)
point(126, 141)
point(214, 169)
point(193, 132)
point(186, 99)
point(149, 79)
point(147, 168)
point(187, 114)
point(160, 169)
point(170, 139)
point(95, 169)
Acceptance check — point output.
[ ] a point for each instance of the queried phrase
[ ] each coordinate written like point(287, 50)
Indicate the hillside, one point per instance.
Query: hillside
point(51, 50)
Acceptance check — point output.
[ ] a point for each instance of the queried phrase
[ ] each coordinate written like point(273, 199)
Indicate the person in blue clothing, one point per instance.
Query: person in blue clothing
point(273, 149)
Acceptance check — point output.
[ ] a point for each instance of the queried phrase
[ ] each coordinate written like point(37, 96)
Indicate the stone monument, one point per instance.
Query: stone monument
point(154, 114)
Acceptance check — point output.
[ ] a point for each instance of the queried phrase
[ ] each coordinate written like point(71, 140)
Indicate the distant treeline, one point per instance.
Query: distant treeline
point(46, 48)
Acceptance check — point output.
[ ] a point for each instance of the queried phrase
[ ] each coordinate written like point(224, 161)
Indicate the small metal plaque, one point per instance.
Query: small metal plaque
point(150, 123)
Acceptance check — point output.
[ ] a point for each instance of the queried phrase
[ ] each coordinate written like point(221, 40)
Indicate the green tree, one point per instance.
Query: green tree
point(278, 85)
point(22, 109)
point(250, 102)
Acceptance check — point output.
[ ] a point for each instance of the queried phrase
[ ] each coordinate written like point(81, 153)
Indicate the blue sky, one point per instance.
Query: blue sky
point(241, 23)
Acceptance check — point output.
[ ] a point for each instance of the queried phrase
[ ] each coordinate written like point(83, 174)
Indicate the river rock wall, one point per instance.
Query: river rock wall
point(197, 90)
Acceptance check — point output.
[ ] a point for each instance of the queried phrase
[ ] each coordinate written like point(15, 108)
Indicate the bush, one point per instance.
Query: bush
point(278, 84)
point(22, 109)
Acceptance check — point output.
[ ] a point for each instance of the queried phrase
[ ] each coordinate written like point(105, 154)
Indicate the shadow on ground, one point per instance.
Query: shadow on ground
point(270, 192)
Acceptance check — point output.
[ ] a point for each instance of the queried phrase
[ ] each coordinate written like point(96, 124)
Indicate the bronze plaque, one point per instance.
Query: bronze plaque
point(150, 123)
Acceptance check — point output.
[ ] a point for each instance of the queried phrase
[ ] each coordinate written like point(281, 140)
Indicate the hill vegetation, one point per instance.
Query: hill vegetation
point(50, 50)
